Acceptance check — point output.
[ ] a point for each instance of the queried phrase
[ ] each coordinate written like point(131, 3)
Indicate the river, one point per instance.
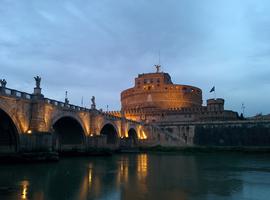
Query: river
point(156, 176)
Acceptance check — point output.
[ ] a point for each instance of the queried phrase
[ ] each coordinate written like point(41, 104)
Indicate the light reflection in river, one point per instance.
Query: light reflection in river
point(142, 164)
point(25, 185)
point(142, 176)
point(90, 174)
point(122, 171)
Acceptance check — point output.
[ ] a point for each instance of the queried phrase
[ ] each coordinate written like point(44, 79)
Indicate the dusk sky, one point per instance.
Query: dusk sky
point(97, 47)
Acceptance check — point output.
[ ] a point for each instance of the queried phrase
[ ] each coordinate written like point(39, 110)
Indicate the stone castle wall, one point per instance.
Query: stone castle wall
point(165, 97)
point(157, 90)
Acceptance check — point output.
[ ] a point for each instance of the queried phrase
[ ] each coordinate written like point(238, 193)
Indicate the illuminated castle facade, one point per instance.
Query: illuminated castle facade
point(155, 98)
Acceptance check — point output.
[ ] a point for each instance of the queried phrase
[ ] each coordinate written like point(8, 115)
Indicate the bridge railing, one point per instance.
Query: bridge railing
point(15, 93)
point(109, 114)
point(64, 105)
point(24, 95)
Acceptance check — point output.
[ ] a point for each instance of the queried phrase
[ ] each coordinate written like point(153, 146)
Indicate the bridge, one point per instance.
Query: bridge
point(31, 122)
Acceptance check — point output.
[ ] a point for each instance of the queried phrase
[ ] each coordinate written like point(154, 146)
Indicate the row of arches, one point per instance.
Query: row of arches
point(67, 130)
point(71, 135)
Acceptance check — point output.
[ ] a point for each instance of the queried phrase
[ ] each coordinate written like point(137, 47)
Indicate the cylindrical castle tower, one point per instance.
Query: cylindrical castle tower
point(157, 91)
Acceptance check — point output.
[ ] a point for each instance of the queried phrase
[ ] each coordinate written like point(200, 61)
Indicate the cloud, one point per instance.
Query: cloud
point(98, 47)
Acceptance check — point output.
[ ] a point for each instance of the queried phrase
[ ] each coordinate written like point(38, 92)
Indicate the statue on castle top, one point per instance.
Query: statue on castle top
point(38, 80)
point(93, 100)
point(3, 83)
point(158, 68)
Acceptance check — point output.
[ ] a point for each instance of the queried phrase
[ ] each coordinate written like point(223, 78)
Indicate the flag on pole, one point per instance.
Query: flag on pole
point(213, 89)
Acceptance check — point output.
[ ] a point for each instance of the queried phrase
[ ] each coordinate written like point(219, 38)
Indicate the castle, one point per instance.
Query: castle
point(155, 98)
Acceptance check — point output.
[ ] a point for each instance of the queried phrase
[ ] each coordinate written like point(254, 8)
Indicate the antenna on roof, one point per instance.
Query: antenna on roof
point(159, 57)
point(158, 66)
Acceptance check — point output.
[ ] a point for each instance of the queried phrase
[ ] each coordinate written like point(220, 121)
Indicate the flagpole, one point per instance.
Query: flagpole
point(213, 90)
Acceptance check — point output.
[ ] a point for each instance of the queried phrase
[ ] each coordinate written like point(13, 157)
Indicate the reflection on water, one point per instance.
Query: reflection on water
point(122, 172)
point(142, 176)
point(142, 166)
point(25, 185)
point(90, 174)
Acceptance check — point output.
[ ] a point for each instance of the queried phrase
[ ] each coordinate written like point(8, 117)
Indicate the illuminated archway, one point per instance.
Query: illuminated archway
point(69, 132)
point(8, 133)
point(132, 135)
point(110, 132)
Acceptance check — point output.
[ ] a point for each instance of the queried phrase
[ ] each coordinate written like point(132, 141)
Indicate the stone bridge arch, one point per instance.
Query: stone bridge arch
point(13, 114)
point(58, 116)
point(69, 131)
point(111, 131)
point(9, 131)
point(133, 135)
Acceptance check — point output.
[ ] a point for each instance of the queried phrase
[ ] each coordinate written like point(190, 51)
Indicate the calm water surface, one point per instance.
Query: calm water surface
point(142, 176)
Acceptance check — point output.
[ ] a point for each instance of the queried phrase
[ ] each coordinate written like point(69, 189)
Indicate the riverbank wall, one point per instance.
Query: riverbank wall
point(220, 133)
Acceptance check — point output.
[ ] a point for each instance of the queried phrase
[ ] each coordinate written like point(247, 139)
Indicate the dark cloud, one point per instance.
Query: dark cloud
point(98, 47)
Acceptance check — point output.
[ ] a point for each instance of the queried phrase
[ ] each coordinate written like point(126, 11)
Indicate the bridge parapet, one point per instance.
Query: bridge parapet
point(14, 93)
point(60, 104)
point(119, 115)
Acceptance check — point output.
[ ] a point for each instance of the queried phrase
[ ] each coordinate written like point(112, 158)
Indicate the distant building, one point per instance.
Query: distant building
point(155, 98)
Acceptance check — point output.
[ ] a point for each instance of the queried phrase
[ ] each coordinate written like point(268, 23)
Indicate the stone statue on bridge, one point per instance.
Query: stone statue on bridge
point(38, 80)
point(93, 105)
point(37, 89)
point(3, 83)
